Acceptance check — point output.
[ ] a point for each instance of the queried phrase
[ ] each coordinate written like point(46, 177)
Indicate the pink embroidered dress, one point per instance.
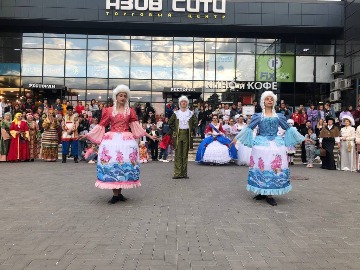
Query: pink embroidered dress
point(118, 156)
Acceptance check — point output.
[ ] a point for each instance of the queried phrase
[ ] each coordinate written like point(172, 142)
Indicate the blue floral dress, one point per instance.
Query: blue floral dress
point(268, 169)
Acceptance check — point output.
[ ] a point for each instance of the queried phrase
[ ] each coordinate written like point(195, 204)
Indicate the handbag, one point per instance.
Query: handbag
point(322, 152)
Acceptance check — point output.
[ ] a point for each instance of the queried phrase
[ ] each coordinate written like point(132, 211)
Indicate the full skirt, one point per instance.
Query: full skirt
point(268, 170)
point(216, 150)
point(347, 158)
point(49, 142)
point(244, 154)
point(118, 162)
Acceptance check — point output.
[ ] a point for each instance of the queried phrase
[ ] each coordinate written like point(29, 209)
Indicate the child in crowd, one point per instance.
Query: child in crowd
point(310, 147)
point(291, 150)
point(154, 144)
point(164, 144)
point(143, 153)
point(91, 153)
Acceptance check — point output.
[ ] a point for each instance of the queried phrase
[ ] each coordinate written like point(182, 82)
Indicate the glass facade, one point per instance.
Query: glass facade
point(91, 65)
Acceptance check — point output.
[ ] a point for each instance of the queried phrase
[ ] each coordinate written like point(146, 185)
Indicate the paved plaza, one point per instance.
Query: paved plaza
point(52, 217)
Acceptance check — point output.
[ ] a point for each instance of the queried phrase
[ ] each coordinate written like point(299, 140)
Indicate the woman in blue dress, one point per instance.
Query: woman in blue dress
point(268, 169)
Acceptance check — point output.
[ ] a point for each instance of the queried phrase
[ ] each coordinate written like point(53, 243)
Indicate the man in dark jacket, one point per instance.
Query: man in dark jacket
point(303, 132)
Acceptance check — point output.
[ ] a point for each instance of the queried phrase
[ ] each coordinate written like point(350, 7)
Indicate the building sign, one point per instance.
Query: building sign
point(280, 68)
point(43, 86)
point(241, 86)
point(154, 8)
point(182, 89)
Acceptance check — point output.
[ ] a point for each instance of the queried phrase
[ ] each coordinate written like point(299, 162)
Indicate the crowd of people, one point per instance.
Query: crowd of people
point(93, 131)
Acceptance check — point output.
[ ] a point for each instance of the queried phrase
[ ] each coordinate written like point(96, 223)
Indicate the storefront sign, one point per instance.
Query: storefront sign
point(195, 9)
point(238, 86)
point(182, 89)
point(43, 86)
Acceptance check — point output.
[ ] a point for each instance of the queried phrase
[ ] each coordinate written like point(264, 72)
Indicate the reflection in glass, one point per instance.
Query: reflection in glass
point(75, 82)
point(183, 66)
point(162, 65)
point(140, 65)
point(285, 48)
point(98, 95)
point(157, 101)
point(95, 83)
point(225, 47)
point(140, 45)
point(97, 64)
point(183, 46)
point(77, 94)
point(115, 82)
point(198, 66)
point(54, 35)
point(210, 47)
point(265, 67)
point(138, 85)
point(184, 38)
point(246, 48)
point(33, 34)
point(75, 44)
point(304, 68)
point(119, 64)
point(54, 43)
point(245, 67)
point(158, 85)
point(182, 84)
point(26, 80)
point(325, 49)
point(123, 45)
point(31, 62)
point(265, 48)
point(119, 37)
point(75, 63)
point(10, 61)
point(97, 44)
point(32, 42)
point(53, 80)
point(225, 66)
point(141, 37)
point(209, 66)
point(75, 36)
point(198, 46)
point(140, 96)
point(323, 69)
point(54, 63)
point(162, 46)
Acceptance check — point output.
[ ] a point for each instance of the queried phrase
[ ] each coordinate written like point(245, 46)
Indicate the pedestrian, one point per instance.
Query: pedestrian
point(154, 142)
point(5, 136)
point(164, 144)
point(19, 144)
point(182, 123)
point(328, 136)
point(310, 147)
point(268, 169)
point(118, 157)
point(69, 136)
point(347, 145)
point(50, 139)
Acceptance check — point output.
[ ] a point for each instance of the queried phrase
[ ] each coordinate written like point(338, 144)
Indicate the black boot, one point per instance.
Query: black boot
point(76, 159)
point(63, 158)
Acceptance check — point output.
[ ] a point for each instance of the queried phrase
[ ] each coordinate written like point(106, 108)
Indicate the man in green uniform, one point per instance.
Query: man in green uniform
point(182, 123)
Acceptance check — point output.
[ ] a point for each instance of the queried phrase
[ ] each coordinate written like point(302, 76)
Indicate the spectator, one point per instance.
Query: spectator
point(79, 107)
point(164, 144)
point(57, 106)
point(310, 147)
point(154, 143)
point(148, 109)
point(257, 107)
point(91, 154)
point(284, 111)
point(93, 107)
point(169, 109)
point(233, 110)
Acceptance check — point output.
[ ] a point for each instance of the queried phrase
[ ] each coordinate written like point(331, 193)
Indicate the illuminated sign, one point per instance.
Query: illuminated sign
point(153, 8)
point(237, 86)
point(43, 86)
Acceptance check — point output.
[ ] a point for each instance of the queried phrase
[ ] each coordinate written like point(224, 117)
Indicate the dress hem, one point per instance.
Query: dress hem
point(117, 185)
point(263, 191)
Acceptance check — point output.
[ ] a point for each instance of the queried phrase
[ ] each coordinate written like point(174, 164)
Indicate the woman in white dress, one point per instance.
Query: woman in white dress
point(215, 148)
point(347, 145)
point(244, 152)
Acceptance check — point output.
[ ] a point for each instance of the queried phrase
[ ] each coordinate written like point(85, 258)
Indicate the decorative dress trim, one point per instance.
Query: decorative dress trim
point(278, 191)
point(117, 185)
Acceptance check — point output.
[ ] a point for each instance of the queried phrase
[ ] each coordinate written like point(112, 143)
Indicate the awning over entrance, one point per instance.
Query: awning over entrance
point(191, 93)
point(44, 86)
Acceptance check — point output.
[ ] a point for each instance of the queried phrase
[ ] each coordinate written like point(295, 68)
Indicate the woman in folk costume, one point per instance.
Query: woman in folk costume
point(328, 136)
point(347, 145)
point(19, 145)
point(50, 138)
point(33, 140)
point(118, 157)
point(5, 136)
point(268, 170)
point(291, 150)
point(243, 151)
point(215, 148)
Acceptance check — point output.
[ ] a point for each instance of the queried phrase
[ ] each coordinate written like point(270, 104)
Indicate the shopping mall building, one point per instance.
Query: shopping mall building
point(227, 50)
